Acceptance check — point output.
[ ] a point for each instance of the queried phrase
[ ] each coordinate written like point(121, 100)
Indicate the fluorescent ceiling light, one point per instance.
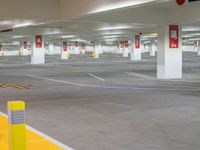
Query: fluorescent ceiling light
point(15, 43)
point(78, 40)
point(6, 22)
point(190, 28)
point(18, 36)
point(111, 33)
point(192, 39)
point(68, 36)
point(111, 40)
point(111, 36)
point(194, 34)
point(147, 42)
point(122, 4)
point(23, 24)
point(115, 28)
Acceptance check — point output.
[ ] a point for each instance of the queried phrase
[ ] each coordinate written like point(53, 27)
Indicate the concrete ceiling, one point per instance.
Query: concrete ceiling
point(110, 20)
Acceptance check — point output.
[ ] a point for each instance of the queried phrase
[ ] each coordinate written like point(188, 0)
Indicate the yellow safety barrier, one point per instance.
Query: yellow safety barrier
point(17, 127)
point(68, 55)
point(20, 53)
point(93, 55)
point(14, 135)
point(1, 53)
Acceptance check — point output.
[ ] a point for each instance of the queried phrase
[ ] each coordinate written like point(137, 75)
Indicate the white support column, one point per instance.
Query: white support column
point(120, 47)
point(64, 50)
point(50, 49)
point(198, 48)
point(169, 60)
point(152, 48)
point(24, 49)
point(38, 51)
point(125, 49)
point(97, 49)
point(76, 48)
point(136, 51)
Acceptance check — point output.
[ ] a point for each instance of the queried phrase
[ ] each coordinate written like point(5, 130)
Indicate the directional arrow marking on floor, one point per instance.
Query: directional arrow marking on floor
point(18, 86)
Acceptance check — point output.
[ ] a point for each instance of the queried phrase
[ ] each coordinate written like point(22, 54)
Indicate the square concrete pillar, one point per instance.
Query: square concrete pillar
point(169, 60)
point(136, 48)
point(152, 48)
point(64, 50)
point(97, 49)
point(51, 49)
point(24, 49)
point(38, 50)
point(198, 48)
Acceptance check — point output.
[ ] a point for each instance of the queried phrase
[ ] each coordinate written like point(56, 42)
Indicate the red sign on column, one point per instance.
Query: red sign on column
point(126, 44)
point(137, 41)
point(25, 45)
point(173, 36)
point(64, 46)
point(121, 44)
point(38, 41)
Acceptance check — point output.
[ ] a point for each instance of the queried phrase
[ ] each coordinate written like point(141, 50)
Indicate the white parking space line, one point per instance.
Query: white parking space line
point(114, 87)
point(141, 75)
point(71, 83)
point(44, 136)
point(96, 77)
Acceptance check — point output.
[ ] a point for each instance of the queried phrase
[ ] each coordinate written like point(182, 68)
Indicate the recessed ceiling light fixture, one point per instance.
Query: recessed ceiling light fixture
point(68, 36)
point(115, 28)
point(122, 4)
point(23, 24)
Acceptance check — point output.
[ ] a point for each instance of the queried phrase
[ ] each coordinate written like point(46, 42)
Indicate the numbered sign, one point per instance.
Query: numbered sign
point(173, 36)
point(38, 41)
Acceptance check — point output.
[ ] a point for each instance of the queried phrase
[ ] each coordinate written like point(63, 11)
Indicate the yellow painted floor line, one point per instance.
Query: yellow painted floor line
point(35, 139)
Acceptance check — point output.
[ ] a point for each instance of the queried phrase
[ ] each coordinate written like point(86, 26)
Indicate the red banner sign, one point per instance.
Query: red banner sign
point(126, 44)
point(38, 41)
point(25, 45)
point(173, 36)
point(64, 46)
point(137, 41)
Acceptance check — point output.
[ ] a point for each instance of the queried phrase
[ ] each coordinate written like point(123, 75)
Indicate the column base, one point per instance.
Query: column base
point(152, 54)
point(65, 56)
point(37, 61)
point(198, 53)
point(125, 55)
point(96, 56)
point(38, 56)
point(171, 66)
point(136, 55)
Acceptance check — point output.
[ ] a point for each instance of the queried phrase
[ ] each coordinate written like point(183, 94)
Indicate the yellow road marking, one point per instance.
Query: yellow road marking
point(18, 86)
point(34, 141)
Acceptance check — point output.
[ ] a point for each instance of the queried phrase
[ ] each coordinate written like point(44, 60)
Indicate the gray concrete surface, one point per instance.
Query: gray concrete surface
point(121, 107)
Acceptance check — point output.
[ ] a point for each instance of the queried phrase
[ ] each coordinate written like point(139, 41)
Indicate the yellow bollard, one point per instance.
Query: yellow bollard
point(17, 127)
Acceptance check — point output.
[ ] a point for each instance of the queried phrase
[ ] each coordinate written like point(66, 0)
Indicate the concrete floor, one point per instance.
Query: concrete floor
point(108, 104)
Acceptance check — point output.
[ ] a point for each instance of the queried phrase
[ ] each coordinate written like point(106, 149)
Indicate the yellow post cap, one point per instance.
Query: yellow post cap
point(16, 105)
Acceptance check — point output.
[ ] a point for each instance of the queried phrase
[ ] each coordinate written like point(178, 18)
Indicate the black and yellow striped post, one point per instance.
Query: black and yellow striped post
point(17, 127)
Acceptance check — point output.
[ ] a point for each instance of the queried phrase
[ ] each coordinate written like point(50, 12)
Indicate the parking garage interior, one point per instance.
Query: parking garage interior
point(103, 75)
